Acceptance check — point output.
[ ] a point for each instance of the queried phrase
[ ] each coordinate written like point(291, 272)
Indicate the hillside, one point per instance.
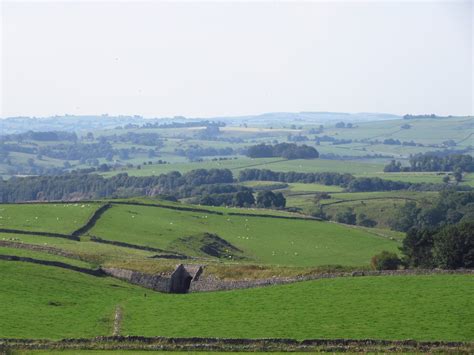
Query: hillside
point(272, 238)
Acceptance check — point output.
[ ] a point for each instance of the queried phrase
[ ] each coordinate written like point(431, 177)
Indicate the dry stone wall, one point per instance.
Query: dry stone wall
point(209, 283)
point(155, 282)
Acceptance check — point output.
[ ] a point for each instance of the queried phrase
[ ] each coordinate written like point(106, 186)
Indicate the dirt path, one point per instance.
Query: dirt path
point(117, 321)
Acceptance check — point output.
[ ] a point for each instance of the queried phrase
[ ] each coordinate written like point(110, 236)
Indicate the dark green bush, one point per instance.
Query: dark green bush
point(385, 261)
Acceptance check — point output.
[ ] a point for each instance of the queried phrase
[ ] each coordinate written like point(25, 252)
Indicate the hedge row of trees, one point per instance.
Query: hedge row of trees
point(84, 186)
point(283, 150)
point(292, 176)
point(47, 136)
point(148, 139)
point(433, 162)
point(348, 181)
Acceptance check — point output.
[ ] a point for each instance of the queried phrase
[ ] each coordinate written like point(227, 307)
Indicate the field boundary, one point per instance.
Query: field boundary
point(210, 284)
point(96, 239)
point(259, 164)
point(40, 248)
point(43, 234)
point(369, 199)
point(273, 216)
point(229, 344)
point(92, 272)
point(177, 208)
point(92, 220)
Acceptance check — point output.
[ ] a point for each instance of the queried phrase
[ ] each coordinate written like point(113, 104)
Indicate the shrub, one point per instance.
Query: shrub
point(364, 221)
point(346, 217)
point(385, 261)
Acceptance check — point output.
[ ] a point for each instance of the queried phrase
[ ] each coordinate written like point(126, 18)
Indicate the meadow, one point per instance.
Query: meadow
point(55, 218)
point(58, 303)
point(262, 240)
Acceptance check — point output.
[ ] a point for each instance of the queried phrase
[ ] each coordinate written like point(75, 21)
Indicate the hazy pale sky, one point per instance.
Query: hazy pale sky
point(230, 58)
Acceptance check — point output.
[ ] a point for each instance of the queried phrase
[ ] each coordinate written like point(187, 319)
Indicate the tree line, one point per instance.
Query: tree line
point(434, 162)
point(347, 181)
point(441, 235)
point(283, 150)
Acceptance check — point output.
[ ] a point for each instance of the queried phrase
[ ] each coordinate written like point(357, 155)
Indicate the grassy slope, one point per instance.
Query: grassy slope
point(267, 240)
point(86, 303)
point(95, 253)
point(416, 307)
point(57, 218)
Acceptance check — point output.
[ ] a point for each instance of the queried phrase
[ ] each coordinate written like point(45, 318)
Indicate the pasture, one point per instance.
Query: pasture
point(262, 240)
point(57, 303)
point(52, 217)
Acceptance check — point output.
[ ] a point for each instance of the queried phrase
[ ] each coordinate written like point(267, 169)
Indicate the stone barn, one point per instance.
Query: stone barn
point(182, 276)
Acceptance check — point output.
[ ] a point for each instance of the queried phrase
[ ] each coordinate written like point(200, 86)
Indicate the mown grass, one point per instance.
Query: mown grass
point(263, 240)
point(46, 302)
point(56, 218)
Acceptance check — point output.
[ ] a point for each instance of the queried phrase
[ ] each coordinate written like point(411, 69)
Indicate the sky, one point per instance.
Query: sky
point(205, 59)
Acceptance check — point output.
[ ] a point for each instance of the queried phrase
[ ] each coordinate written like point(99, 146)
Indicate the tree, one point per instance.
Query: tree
point(458, 175)
point(392, 167)
point(268, 199)
point(406, 217)
point(453, 246)
point(363, 220)
point(446, 179)
point(347, 217)
point(417, 248)
point(279, 201)
point(243, 199)
point(318, 196)
point(385, 261)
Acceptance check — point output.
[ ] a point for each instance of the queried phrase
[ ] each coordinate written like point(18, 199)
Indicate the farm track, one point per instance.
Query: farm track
point(232, 345)
point(117, 321)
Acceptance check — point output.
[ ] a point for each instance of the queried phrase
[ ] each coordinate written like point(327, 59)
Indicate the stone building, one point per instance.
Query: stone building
point(178, 281)
point(182, 276)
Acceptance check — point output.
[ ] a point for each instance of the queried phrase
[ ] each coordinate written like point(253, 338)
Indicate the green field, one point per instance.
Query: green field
point(57, 303)
point(55, 218)
point(300, 187)
point(263, 240)
point(275, 164)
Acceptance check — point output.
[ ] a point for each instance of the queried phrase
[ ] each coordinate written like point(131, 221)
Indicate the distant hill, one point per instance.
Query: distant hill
point(11, 125)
